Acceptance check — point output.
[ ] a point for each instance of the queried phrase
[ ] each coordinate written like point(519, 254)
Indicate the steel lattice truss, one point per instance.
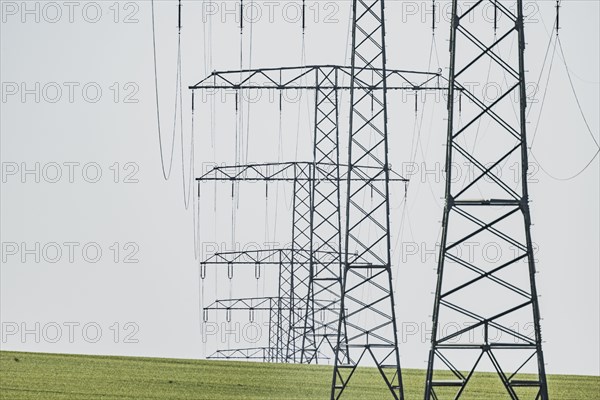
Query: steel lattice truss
point(289, 172)
point(369, 326)
point(316, 283)
point(285, 309)
point(313, 289)
point(367, 291)
point(264, 354)
point(302, 261)
point(312, 77)
point(492, 299)
point(325, 283)
point(279, 311)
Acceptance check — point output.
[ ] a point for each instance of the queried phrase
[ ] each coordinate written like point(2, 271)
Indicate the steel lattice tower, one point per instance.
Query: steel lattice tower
point(301, 261)
point(282, 313)
point(325, 283)
point(493, 298)
point(367, 302)
point(289, 323)
point(304, 326)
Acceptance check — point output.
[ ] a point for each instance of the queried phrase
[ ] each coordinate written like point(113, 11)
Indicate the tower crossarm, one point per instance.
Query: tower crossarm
point(266, 257)
point(254, 353)
point(306, 77)
point(264, 354)
point(247, 303)
point(260, 304)
point(293, 171)
point(262, 257)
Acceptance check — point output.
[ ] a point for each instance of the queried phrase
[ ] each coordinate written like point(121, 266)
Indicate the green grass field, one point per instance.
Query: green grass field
point(59, 376)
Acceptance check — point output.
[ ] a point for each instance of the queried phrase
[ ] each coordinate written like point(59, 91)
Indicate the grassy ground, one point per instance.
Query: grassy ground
point(58, 376)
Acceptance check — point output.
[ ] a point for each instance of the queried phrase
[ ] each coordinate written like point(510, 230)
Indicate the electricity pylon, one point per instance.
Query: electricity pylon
point(325, 281)
point(292, 319)
point(493, 298)
point(284, 309)
point(367, 302)
point(317, 227)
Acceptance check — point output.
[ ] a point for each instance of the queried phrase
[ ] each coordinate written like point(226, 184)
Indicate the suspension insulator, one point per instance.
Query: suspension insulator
point(433, 19)
point(416, 103)
point(557, 16)
point(257, 270)
point(495, 17)
point(179, 20)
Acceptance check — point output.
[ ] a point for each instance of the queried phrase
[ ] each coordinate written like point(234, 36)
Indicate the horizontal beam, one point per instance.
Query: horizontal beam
point(266, 304)
point(249, 303)
point(488, 202)
point(269, 257)
point(254, 353)
point(313, 77)
point(254, 257)
point(295, 171)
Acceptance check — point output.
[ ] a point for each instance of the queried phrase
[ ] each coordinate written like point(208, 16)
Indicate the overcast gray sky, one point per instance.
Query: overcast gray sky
point(98, 250)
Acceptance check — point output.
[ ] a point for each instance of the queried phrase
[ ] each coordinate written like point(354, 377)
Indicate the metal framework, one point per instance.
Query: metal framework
point(367, 293)
point(317, 77)
point(494, 298)
point(361, 270)
point(316, 227)
point(325, 281)
point(274, 305)
point(283, 312)
point(305, 319)
point(286, 309)
point(279, 310)
point(302, 261)
point(264, 354)
point(302, 171)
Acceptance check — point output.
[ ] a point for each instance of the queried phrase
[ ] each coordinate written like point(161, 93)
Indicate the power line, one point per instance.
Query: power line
point(572, 86)
point(166, 172)
point(575, 94)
